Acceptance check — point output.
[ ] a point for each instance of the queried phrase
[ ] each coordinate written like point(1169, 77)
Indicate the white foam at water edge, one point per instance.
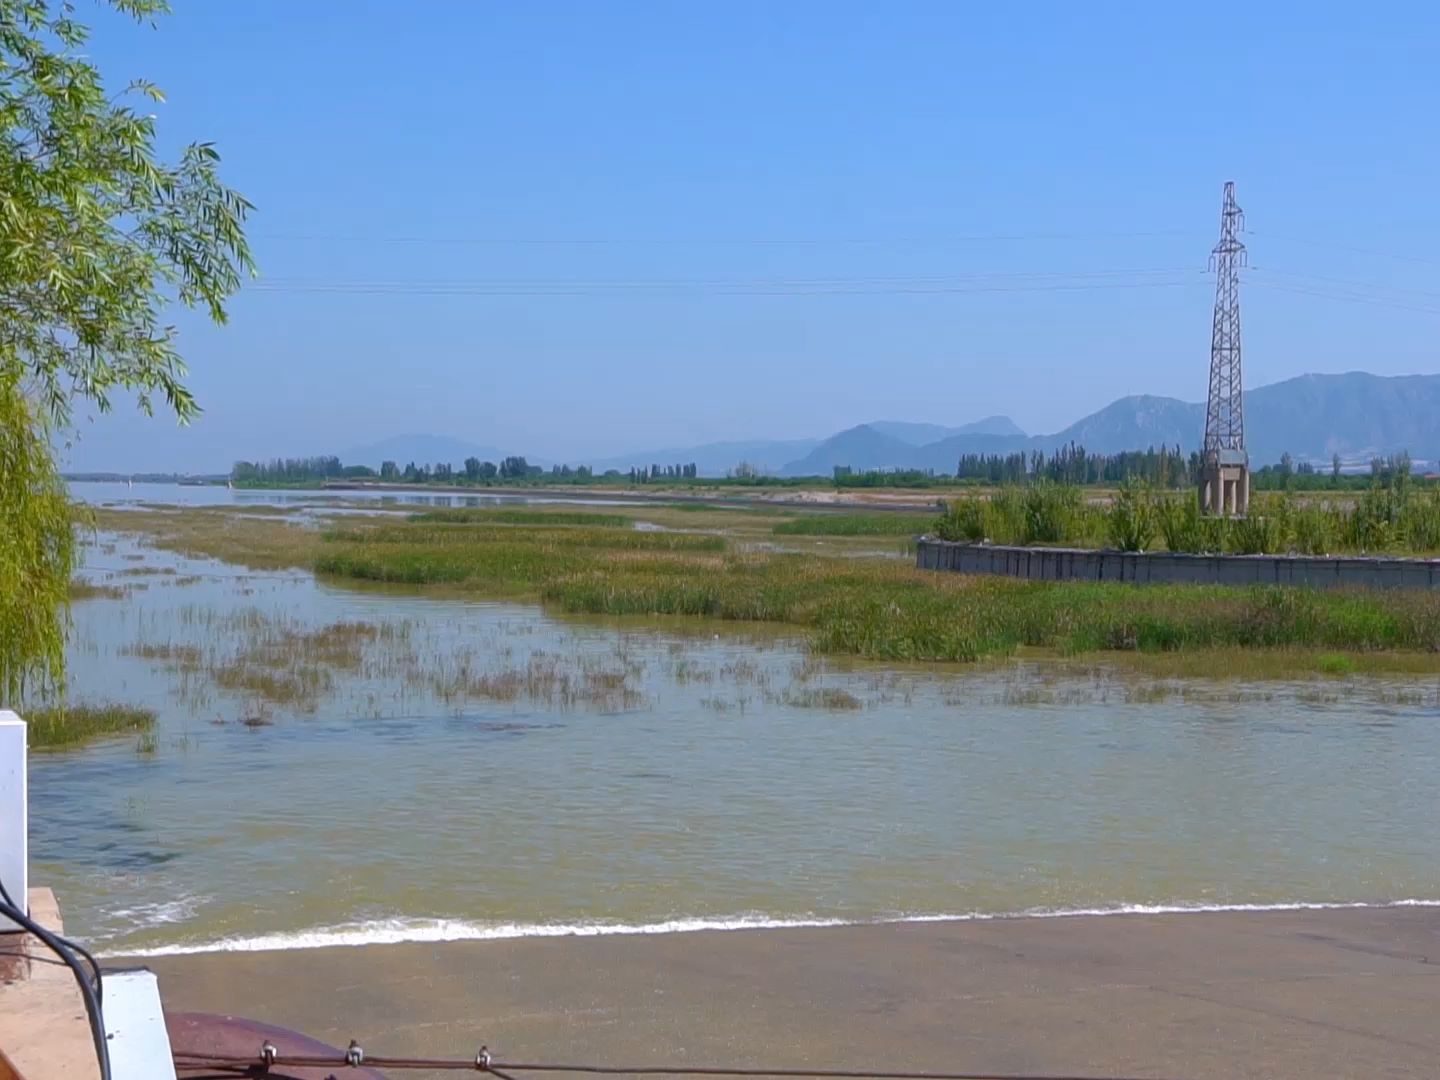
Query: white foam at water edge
point(406, 930)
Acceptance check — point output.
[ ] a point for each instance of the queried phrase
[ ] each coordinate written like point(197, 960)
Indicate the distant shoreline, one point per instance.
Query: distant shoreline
point(823, 498)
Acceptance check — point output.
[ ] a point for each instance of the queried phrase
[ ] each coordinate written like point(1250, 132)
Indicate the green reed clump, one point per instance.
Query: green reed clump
point(1181, 524)
point(1420, 521)
point(1131, 522)
point(964, 521)
point(835, 524)
point(1256, 534)
point(74, 725)
point(1049, 513)
point(1314, 529)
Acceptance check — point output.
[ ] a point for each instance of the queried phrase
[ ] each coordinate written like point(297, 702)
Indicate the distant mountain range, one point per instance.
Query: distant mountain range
point(1311, 417)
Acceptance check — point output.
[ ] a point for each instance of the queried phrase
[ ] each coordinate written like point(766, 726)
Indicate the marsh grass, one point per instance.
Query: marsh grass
point(180, 657)
point(259, 542)
point(90, 590)
point(481, 515)
point(821, 697)
point(61, 727)
point(878, 609)
point(544, 679)
point(837, 524)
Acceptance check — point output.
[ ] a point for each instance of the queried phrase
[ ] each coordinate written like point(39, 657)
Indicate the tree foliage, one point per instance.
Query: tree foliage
point(36, 553)
point(98, 237)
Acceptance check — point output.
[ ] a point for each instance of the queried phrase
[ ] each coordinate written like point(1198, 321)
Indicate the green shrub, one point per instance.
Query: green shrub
point(1312, 530)
point(1005, 516)
point(1183, 528)
point(1048, 513)
point(1420, 522)
point(1131, 520)
point(963, 521)
point(1256, 534)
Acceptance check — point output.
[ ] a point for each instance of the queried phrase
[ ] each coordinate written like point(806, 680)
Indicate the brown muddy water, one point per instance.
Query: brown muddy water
point(334, 765)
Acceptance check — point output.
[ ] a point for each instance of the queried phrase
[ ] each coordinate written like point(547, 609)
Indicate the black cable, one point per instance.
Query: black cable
point(89, 957)
point(63, 950)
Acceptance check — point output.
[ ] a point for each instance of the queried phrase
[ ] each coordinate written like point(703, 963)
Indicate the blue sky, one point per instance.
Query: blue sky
point(561, 214)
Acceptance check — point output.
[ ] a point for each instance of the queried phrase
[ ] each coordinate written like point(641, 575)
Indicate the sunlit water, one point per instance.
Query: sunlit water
point(731, 781)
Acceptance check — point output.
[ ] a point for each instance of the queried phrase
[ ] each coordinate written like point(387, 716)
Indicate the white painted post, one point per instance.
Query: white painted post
point(14, 820)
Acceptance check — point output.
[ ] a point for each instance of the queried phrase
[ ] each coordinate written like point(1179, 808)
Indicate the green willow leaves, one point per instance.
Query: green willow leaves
point(98, 237)
point(96, 234)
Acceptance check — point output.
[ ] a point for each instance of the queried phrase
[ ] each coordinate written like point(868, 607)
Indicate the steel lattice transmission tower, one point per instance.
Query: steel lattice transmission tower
point(1225, 466)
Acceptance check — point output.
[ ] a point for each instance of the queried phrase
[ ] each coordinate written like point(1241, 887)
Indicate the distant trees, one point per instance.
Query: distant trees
point(645, 475)
point(516, 469)
point(1165, 466)
point(308, 470)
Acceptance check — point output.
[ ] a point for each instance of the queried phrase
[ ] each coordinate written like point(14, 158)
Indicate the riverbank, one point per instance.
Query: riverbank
point(1335, 993)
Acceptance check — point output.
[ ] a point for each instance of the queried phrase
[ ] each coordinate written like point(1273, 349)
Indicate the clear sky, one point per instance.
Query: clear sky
point(577, 229)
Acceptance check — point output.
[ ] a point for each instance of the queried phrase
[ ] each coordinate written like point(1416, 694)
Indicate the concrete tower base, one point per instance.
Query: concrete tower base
point(1225, 486)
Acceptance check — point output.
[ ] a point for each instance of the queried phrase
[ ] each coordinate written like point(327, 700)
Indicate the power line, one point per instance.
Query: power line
point(771, 241)
point(743, 282)
point(1352, 298)
point(397, 289)
point(1332, 246)
point(1349, 282)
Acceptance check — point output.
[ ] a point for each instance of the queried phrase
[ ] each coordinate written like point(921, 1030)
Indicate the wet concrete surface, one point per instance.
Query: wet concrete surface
point(1345, 993)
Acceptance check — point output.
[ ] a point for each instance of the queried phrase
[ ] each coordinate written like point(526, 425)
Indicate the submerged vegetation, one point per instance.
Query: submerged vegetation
point(74, 725)
point(89, 590)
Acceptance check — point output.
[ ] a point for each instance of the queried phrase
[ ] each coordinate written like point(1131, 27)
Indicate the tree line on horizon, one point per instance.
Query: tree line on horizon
point(301, 471)
point(1166, 467)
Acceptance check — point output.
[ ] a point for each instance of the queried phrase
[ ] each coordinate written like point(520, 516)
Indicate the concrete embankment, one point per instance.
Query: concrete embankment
point(1078, 564)
point(1338, 993)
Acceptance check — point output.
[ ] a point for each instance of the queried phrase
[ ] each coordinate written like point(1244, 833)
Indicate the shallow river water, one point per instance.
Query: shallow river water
point(335, 765)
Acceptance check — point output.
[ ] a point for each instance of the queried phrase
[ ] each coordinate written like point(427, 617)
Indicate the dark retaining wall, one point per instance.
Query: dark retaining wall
point(1079, 564)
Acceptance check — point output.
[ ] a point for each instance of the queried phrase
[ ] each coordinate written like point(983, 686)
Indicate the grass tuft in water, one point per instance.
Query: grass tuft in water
point(63, 727)
point(89, 590)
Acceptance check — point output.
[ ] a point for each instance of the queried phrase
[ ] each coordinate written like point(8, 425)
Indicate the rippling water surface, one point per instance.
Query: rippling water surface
point(428, 768)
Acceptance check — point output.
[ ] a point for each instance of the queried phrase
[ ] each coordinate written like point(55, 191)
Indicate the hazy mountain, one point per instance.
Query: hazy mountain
point(423, 450)
point(924, 434)
point(713, 459)
point(1356, 415)
point(1135, 422)
point(860, 447)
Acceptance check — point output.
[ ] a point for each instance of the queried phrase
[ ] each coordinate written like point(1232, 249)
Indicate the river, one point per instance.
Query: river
point(336, 765)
